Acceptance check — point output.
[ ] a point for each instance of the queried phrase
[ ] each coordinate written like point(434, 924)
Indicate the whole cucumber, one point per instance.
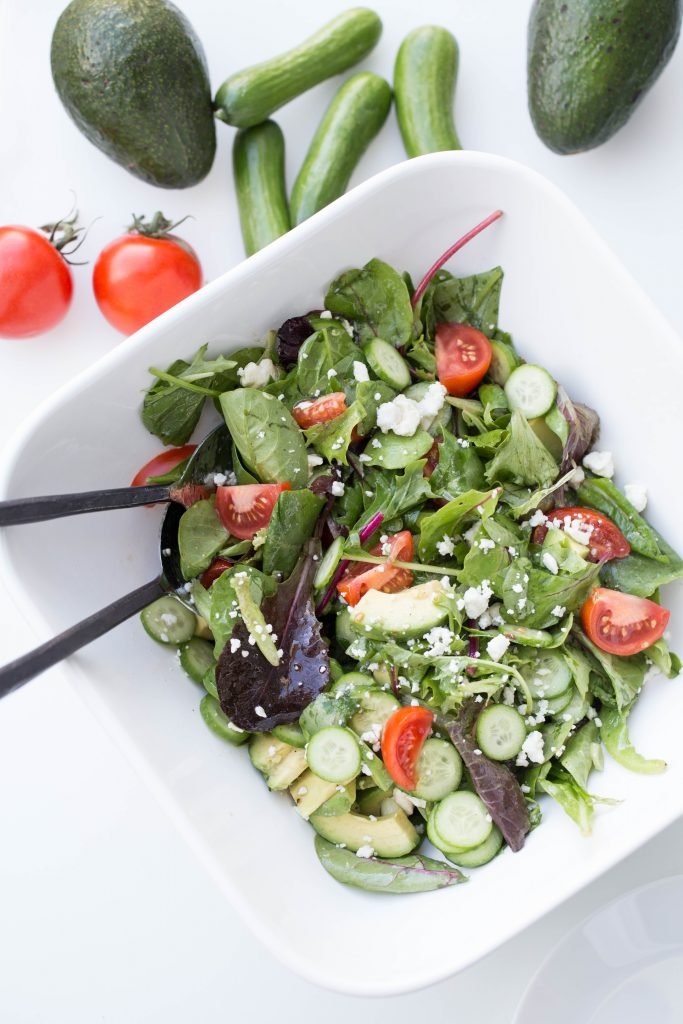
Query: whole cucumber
point(258, 157)
point(590, 62)
point(424, 83)
point(352, 120)
point(251, 95)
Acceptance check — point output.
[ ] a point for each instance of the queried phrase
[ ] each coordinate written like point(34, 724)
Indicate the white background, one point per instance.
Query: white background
point(104, 913)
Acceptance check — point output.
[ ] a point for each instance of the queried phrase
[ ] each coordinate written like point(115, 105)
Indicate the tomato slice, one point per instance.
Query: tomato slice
point(246, 508)
point(621, 623)
point(463, 355)
point(606, 540)
point(216, 569)
point(162, 463)
point(319, 410)
point(403, 736)
point(363, 576)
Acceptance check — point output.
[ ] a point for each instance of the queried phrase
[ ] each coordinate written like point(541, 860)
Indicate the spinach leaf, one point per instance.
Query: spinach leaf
point(291, 525)
point(223, 613)
point(546, 591)
point(389, 451)
point(447, 520)
point(242, 475)
point(614, 734)
point(421, 354)
point(573, 798)
point(370, 394)
point(522, 458)
point(415, 873)
point(583, 426)
point(581, 753)
point(395, 493)
point(376, 299)
point(483, 564)
point(601, 494)
point(626, 674)
point(326, 361)
point(642, 576)
point(459, 469)
point(201, 535)
point(266, 436)
point(465, 300)
point(171, 475)
point(332, 439)
point(169, 411)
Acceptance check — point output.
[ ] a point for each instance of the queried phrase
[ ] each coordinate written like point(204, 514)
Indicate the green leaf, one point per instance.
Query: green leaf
point(169, 412)
point(242, 475)
point(580, 753)
point(614, 734)
point(573, 799)
point(580, 668)
point(415, 873)
point(522, 504)
point(546, 591)
point(266, 436)
point(332, 439)
point(483, 564)
point(171, 476)
point(291, 525)
point(642, 576)
point(601, 494)
point(447, 520)
point(626, 674)
point(668, 663)
point(224, 610)
point(389, 451)
point(326, 361)
point(376, 299)
point(459, 469)
point(201, 535)
point(466, 300)
point(522, 458)
point(395, 493)
point(496, 408)
point(370, 394)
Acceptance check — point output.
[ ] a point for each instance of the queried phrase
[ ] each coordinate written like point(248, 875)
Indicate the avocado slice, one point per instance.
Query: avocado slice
point(266, 751)
point(341, 801)
point(282, 775)
point(389, 836)
point(410, 613)
point(309, 793)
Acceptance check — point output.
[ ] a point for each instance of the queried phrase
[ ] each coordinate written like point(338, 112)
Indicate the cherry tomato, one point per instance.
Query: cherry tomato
point(463, 355)
point(319, 410)
point(142, 274)
point(246, 508)
point(403, 736)
point(606, 540)
point(162, 464)
point(387, 578)
point(216, 569)
point(621, 623)
point(35, 283)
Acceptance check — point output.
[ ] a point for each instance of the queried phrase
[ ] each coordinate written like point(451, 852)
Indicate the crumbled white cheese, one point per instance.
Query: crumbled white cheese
point(477, 599)
point(314, 461)
point(446, 546)
point(637, 495)
point(256, 375)
point(235, 644)
point(365, 851)
point(401, 415)
point(337, 488)
point(497, 646)
point(486, 545)
point(558, 610)
point(326, 315)
point(550, 562)
point(532, 750)
point(577, 477)
point(260, 712)
point(331, 373)
point(509, 695)
point(538, 518)
point(431, 404)
point(600, 463)
point(360, 371)
point(577, 529)
point(439, 639)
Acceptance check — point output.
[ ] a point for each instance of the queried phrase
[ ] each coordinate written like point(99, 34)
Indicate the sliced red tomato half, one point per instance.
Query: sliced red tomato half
point(606, 540)
point(246, 508)
point(319, 410)
point(621, 623)
point(162, 463)
point(403, 736)
point(463, 355)
point(364, 576)
point(216, 569)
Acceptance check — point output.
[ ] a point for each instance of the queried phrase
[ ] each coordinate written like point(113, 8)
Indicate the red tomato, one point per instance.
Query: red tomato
point(162, 463)
point(216, 569)
point(606, 541)
point(319, 410)
point(403, 736)
point(621, 623)
point(463, 355)
point(142, 274)
point(35, 283)
point(387, 578)
point(246, 508)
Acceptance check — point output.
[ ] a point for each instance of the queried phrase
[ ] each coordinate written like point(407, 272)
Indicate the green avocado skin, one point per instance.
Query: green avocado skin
point(590, 62)
point(132, 75)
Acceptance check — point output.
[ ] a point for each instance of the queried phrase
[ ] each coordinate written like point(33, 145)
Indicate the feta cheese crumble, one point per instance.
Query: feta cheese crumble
point(337, 488)
point(445, 547)
point(532, 750)
point(550, 562)
point(257, 375)
point(600, 463)
point(360, 371)
point(403, 415)
point(497, 646)
point(477, 599)
point(637, 495)
point(365, 851)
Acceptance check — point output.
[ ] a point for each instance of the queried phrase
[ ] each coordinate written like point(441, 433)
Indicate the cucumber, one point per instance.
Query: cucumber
point(219, 723)
point(530, 390)
point(250, 96)
point(329, 563)
point(388, 364)
point(500, 732)
point(548, 675)
point(336, 671)
point(333, 754)
point(344, 631)
point(556, 705)
point(438, 769)
point(168, 621)
point(258, 160)
point(196, 657)
point(478, 855)
point(424, 82)
point(461, 820)
point(504, 360)
point(375, 707)
point(209, 682)
point(291, 733)
point(351, 682)
point(352, 120)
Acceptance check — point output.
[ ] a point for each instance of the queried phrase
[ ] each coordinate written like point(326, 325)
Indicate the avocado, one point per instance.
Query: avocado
point(266, 751)
point(590, 62)
point(392, 835)
point(341, 801)
point(292, 765)
point(410, 613)
point(309, 793)
point(132, 75)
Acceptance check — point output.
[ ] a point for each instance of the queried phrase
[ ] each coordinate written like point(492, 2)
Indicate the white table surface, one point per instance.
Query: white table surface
point(105, 915)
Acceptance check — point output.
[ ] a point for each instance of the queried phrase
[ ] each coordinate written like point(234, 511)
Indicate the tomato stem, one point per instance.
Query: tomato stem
point(158, 226)
point(422, 286)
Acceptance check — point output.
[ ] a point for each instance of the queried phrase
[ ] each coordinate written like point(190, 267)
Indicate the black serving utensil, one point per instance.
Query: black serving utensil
point(212, 455)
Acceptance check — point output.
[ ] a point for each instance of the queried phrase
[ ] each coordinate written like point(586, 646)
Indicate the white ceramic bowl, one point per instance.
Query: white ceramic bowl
point(571, 306)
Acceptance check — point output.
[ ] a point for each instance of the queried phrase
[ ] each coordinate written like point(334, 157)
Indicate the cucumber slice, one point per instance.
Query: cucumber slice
point(438, 769)
point(351, 682)
point(388, 364)
point(209, 682)
point(462, 821)
point(556, 705)
point(504, 360)
point(336, 671)
point(530, 390)
point(168, 621)
point(344, 631)
point(291, 733)
point(333, 754)
point(547, 675)
point(478, 855)
point(219, 723)
point(329, 563)
point(375, 706)
point(196, 657)
point(434, 837)
point(500, 732)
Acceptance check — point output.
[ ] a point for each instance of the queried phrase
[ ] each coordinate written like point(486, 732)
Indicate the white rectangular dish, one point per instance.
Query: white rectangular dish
point(569, 305)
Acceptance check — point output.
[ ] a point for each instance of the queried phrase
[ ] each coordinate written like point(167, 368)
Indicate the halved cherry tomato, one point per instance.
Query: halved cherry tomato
point(363, 576)
point(246, 508)
point(216, 569)
point(319, 410)
point(162, 463)
point(403, 736)
point(621, 623)
point(606, 540)
point(463, 355)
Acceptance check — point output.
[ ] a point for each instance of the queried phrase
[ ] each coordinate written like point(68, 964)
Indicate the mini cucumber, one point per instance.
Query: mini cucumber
point(461, 820)
point(388, 364)
point(329, 563)
point(196, 657)
point(438, 769)
point(424, 83)
point(290, 732)
point(501, 732)
point(333, 754)
point(352, 120)
point(251, 95)
point(478, 855)
point(530, 390)
point(351, 682)
point(548, 675)
point(219, 723)
point(168, 621)
point(375, 707)
point(258, 160)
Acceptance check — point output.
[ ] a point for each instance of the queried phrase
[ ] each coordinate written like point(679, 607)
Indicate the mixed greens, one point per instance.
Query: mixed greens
point(422, 600)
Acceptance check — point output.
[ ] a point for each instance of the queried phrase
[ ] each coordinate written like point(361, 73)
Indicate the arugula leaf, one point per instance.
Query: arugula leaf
point(291, 525)
point(376, 299)
point(447, 520)
point(522, 458)
point(459, 469)
point(395, 493)
point(201, 535)
point(626, 674)
point(415, 873)
point(601, 494)
point(642, 576)
point(389, 451)
point(266, 436)
point(573, 799)
point(546, 591)
point(614, 734)
point(465, 300)
point(332, 438)
point(326, 361)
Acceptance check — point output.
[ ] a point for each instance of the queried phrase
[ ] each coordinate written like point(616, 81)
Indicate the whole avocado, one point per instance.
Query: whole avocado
point(132, 75)
point(590, 62)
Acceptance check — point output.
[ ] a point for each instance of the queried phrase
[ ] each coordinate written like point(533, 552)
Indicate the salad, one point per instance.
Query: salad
point(421, 601)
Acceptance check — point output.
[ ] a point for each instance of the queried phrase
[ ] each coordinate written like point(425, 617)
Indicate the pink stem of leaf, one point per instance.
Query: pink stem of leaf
point(422, 286)
point(363, 535)
point(473, 647)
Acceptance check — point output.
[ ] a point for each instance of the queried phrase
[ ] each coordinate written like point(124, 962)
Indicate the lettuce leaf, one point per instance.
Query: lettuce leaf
point(522, 458)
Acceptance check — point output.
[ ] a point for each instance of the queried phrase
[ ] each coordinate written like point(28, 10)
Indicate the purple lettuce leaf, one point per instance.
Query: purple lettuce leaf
point(584, 427)
point(290, 337)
